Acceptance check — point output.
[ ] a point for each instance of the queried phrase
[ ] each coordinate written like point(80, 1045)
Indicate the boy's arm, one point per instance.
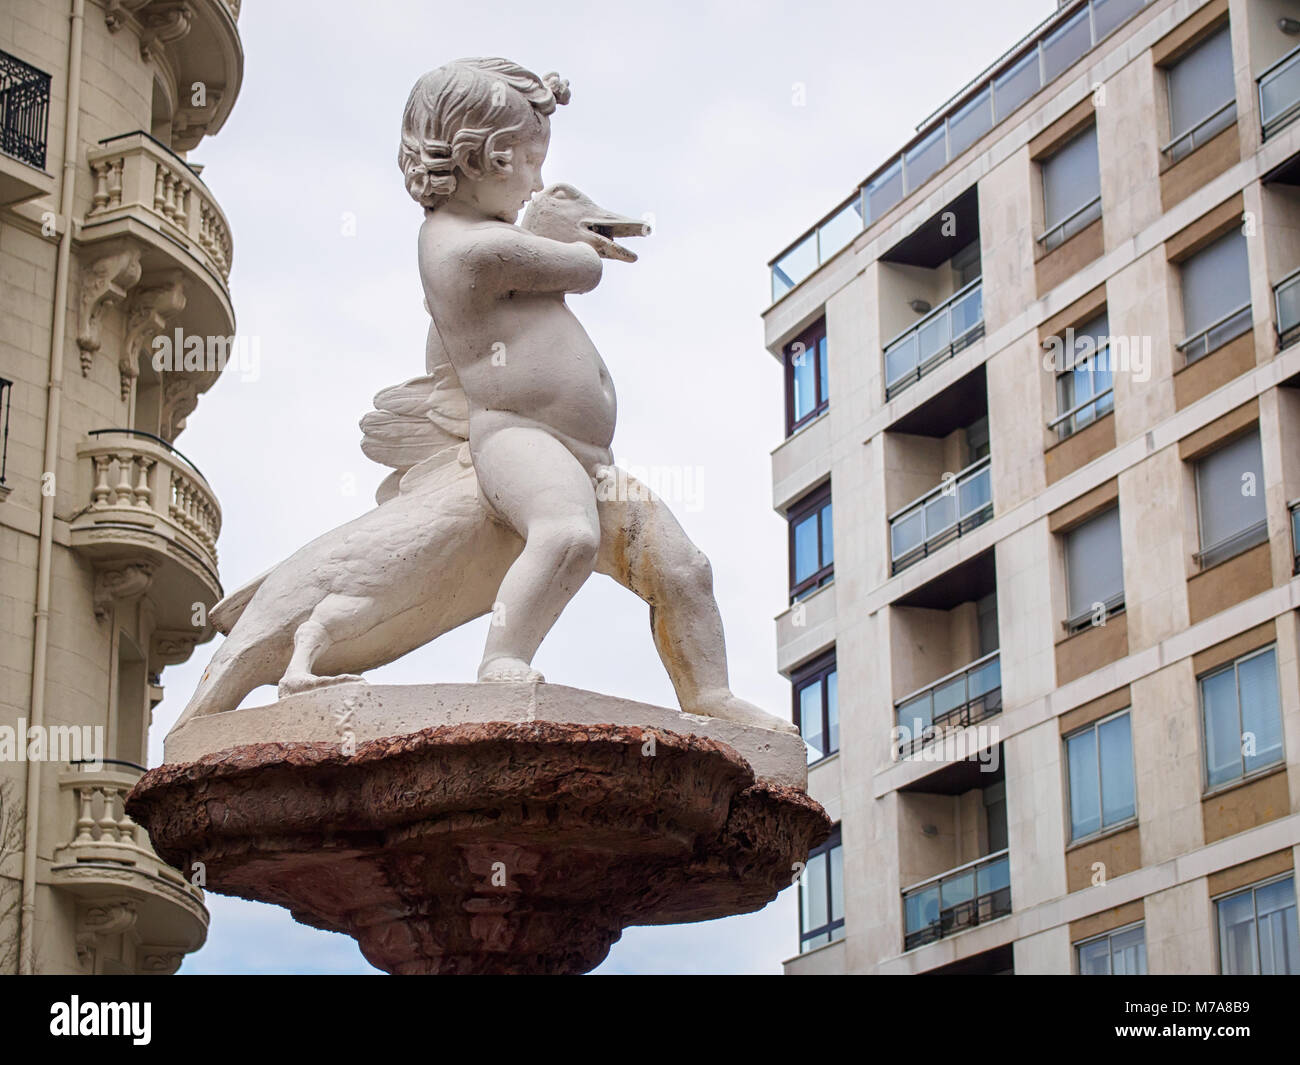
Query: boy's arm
point(506, 260)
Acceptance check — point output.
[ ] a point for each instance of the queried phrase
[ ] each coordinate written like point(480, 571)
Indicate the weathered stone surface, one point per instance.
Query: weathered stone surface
point(489, 847)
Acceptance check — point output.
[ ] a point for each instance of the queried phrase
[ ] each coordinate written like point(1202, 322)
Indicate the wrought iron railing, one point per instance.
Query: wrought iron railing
point(24, 111)
point(6, 400)
point(1279, 93)
point(947, 511)
point(962, 698)
point(944, 331)
point(1286, 301)
point(1216, 334)
point(970, 895)
point(1036, 61)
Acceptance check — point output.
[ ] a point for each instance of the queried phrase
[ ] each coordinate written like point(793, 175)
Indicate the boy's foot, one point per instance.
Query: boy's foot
point(729, 707)
point(506, 670)
point(292, 683)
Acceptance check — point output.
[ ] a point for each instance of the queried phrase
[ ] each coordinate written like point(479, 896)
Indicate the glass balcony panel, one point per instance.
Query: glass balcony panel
point(1107, 15)
point(976, 492)
point(926, 159)
point(908, 532)
point(940, 514)
point(1016, 85)
point(917, 714)
point(795, 265)
point(900, 359)
point(885, 191)
point(921, 909)
point(986, 678)
point(949, 696)
point(1064, 46)
point(968, 312)
point(838, 230)
point(933, 337)
point(969, 123)
point(957, 889)
point(994, 876)
point(1279, 94)
point(1288, 308)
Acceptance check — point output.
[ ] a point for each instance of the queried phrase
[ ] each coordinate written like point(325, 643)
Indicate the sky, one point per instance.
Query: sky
point(731, 127)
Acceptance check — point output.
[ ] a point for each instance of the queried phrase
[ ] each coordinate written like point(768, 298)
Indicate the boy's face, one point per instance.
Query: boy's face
point(503, 195)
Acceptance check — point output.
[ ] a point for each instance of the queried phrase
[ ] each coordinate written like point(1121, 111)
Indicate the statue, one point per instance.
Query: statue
point(503, 498)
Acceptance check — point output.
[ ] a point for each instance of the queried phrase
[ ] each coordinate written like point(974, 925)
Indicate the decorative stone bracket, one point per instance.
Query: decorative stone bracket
point(124, 582)
point(107, 919)
point(106, 281)
point(149, 311)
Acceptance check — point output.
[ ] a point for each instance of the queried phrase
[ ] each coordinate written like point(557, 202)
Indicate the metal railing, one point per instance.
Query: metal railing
point(1240, 541)
point(1294, 509)
point(1216, 334)
point(952, 508)
point(1034, 62)
point(1085, 619)
point(944, 331)
point(1279, 93)
point(1067, 424)
point(970, 895)
point(1286, 301)
point(24, 111)
point(142, 435)
point(1207, 128)
point(1074, 222)
point(964, 697)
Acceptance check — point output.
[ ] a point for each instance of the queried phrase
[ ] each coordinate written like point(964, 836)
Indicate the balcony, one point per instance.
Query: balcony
point(962, 698)
point(946, 330)
point(962, 898)
point(949, 510)
point(1286, 300)
point(1279, 93)
point(24, 128)
point(145, 504)
point(109, 867)
point(1054, 46)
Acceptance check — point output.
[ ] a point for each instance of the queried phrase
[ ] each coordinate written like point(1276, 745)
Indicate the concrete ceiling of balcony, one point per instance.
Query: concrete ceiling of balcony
point(965, 582)
point(957, 778)
point(1286, 174)
point(962, 402)
point(940, 237)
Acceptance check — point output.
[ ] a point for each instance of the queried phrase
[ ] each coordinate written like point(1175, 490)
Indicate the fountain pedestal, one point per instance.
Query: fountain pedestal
point(519, 845)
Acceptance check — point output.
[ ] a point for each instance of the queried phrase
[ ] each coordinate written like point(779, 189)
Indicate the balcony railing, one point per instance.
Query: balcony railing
point(947, 511)
point(1216, 334)
point(1286, 299)
point(6, 400)
point(1087, 411)
point(962, 698)
point(1075, 222)
point(138, 479)
point(135, 173)
point(954, 324)
point(1206, 129)
point(970, 895)
point(24, 111)
point(1030, 65)
point(1294, 508)
point(1279, 93)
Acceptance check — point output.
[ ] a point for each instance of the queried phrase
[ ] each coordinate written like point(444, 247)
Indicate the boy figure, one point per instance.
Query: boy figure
point(540, 402)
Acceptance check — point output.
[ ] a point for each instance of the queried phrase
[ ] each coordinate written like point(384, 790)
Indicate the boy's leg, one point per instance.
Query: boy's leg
point(643, 547)
point(540, 490)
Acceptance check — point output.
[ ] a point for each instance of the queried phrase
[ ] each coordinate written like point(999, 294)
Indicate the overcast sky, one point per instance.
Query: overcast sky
point(685, 112)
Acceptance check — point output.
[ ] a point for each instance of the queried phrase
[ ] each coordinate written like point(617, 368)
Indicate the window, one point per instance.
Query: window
point(1094, 569)
point(807, 388)
point(1071, 189)
point(1257, 930)
point(1230, 500)
point(821, 895)
point(1216, 296)
point(812, 555)
point(1085, 379)
point(1099, 761)
point(1122, 952)
point(1242, 719)
point(816, 707)
point(1202, 95)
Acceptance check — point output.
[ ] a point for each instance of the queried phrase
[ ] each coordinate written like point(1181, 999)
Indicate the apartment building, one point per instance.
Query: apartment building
point(1041, 471)
point(110, 240)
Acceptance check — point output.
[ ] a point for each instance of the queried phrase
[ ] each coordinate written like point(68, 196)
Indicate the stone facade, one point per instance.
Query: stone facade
point(109, 238)
point(896, 629)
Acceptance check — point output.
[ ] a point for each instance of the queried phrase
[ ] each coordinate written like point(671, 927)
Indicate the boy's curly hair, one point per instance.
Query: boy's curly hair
point(458, 116)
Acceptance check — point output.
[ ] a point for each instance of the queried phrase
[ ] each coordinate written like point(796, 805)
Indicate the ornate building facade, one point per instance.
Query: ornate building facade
point(112, 248)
